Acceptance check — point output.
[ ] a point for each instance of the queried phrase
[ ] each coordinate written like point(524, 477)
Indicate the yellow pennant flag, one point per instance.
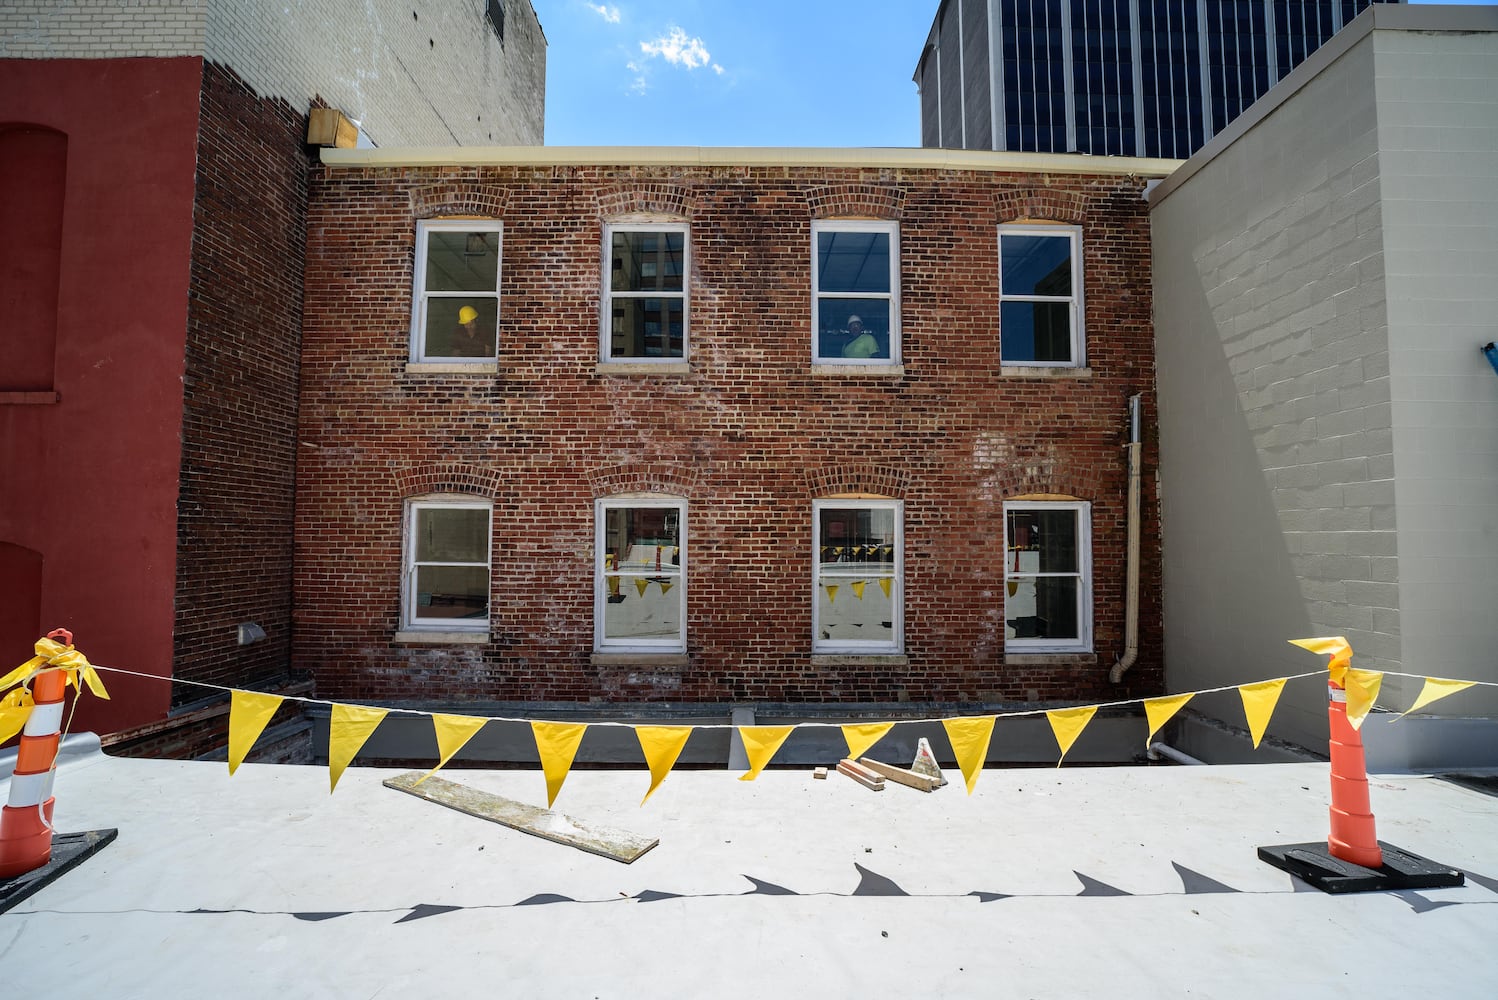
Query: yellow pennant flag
point(858, 586)
point(831, 593)
point(665, 587)
point(248, 714)
point(557, 743)
point(1435, 688)
point(1334, 646)
point(453, 733)
point(640, 584)
point(1362, 692)
point(861, 737)
point(760, 744)
point(15, 706)
point(1159, 711)
point(886, 583)
point(662, 745)
point(351, 727)
point(1258, 705)
point(969, 738)
point(1067, 724)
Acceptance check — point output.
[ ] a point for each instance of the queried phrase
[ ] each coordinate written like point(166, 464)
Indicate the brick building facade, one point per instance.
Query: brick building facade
point(481, 529)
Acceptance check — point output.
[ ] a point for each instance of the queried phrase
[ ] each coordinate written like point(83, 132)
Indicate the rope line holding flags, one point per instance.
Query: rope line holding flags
point(351, 725)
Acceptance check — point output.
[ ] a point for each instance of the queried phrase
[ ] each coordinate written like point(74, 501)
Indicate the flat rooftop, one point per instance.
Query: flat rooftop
point(1114, 882)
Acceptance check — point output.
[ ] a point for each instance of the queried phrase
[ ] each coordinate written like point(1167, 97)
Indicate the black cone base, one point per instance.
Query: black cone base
point(1313, 864)
point(69, 850)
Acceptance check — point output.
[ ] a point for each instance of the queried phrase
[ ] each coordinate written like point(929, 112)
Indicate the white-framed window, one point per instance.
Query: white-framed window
point(858, 576)
point(1040, 296)
point(855, 292)
point(640, 575)
point(1048, 576)
point(645, 268)
point(455, 308)
point(446, 565)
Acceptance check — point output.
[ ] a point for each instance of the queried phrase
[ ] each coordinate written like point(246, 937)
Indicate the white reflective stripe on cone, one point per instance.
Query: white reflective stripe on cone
point(1336, 694)
point(30, 789)
point(44, 720)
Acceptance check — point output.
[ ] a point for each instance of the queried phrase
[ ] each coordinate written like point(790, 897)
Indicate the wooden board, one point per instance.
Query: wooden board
point(862, 775)
point(900, 775)
point(617, 845)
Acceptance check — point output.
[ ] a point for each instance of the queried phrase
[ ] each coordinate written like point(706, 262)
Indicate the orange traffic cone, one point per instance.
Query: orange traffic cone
point(26, 821)
point(1352, 835)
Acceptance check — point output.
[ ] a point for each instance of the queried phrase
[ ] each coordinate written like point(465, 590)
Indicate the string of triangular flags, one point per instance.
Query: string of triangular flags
point(557, 743)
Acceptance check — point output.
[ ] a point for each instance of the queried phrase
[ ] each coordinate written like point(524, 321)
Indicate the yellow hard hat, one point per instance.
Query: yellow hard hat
point(467, 315)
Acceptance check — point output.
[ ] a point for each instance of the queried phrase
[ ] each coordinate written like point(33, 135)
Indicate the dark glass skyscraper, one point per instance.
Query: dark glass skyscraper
point(1120, 77)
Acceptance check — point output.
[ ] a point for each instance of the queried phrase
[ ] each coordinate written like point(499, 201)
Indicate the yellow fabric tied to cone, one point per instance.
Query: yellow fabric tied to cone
point(1362, 692)
point(53, 655)
point(1336, 647)
point(15, 707)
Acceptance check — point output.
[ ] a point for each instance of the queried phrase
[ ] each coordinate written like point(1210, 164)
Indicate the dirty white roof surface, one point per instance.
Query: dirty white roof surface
point(1110, 882)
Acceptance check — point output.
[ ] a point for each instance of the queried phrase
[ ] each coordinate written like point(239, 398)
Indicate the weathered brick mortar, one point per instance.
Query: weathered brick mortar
point(749, 436)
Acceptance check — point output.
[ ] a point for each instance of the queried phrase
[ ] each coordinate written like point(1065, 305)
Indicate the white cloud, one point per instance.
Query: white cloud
point(675, 47)
point(717, 69)
point(609, 14)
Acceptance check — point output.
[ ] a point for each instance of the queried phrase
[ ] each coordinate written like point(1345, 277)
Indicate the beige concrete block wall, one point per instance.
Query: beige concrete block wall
point(1278, 509)
point(414, 72)
point(1438, 141)
point(101, 29)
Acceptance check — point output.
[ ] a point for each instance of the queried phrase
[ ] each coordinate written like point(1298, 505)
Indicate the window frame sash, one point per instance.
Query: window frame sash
point(420, 296)
point(896, 644)
point(411, 618)
point(1074, 301)
point(609, 294)
point(602, 643)
point(890, 228)
point(1082, 521)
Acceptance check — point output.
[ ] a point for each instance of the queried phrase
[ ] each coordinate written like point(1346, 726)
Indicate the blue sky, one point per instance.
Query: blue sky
point(734, 73)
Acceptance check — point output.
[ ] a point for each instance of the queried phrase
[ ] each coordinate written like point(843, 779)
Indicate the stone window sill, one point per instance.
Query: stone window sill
point(666, 660)
point(643, 368)
point(860, 660)
point(1036, 659)
point(452, 367)
point(867, 371)
point(436, 638)
point(1040, 371)
point(28, 398)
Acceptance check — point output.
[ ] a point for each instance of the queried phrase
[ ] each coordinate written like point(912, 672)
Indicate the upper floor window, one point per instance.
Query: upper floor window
point(455, 311)
point(855, 292)
point(1048, 576)
point(446, 569)
point(645, 292)
point(1040, 296)
point(640, 574)
point(858, 576)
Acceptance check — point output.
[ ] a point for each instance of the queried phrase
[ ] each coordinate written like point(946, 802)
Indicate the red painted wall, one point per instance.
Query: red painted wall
point(90, 480)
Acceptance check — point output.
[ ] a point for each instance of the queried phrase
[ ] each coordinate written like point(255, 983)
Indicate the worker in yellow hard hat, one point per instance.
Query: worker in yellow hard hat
point(467, 341)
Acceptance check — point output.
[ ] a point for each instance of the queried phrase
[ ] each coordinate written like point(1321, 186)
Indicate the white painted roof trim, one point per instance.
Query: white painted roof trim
point(748, 156)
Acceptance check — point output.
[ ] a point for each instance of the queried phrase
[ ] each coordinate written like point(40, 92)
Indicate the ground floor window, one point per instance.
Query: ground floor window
point(640, 589)
point(446, 571)
point(858, 570)
point(1048, 576)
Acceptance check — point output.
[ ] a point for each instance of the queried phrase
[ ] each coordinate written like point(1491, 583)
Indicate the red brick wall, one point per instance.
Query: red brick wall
point(750, 437)
point(234, 523)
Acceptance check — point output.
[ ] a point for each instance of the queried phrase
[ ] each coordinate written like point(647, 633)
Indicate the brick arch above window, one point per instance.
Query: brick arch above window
point(660, 477)
point(1043, 487)
point(874, 480)
point(450, 477)
point(458, 198)
point(1041, 204)
point(858, 201)
point(655, 199)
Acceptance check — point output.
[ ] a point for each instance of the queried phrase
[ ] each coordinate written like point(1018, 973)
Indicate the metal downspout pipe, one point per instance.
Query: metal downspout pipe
point(1131, 586)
